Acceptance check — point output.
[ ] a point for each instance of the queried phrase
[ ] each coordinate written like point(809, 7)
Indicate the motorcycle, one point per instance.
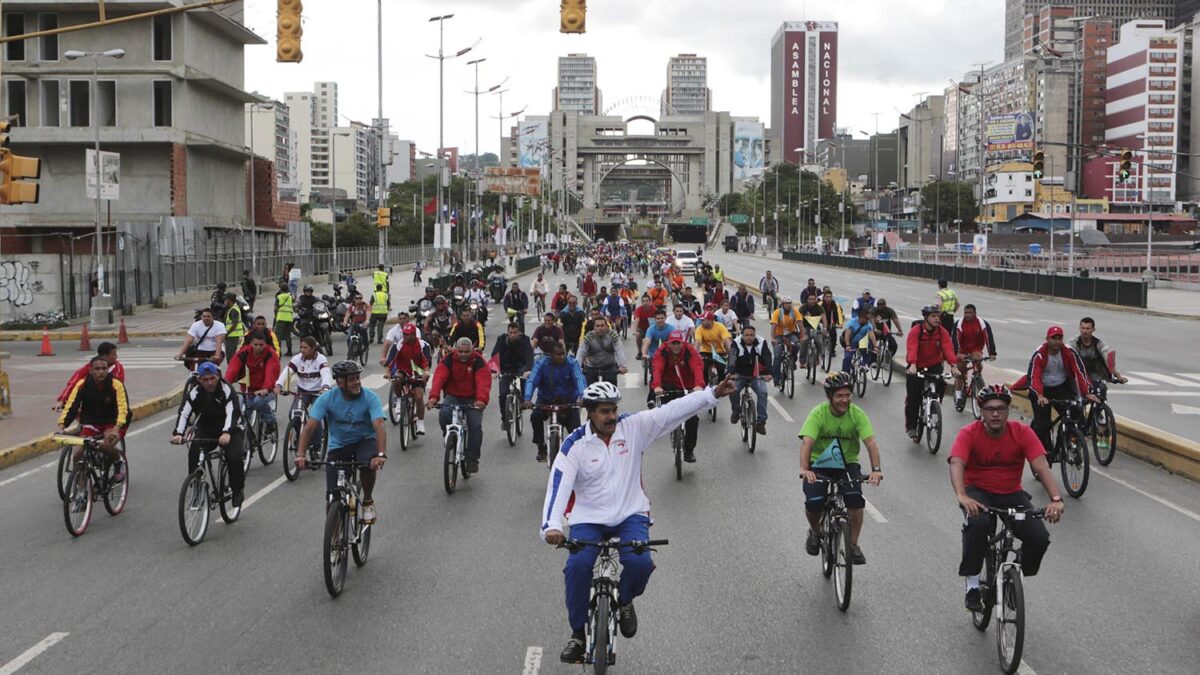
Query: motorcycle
point(339, 305)
point(496, 288)
point(317, 323)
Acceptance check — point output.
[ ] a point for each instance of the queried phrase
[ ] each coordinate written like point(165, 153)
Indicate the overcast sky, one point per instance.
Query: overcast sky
point(889, 51)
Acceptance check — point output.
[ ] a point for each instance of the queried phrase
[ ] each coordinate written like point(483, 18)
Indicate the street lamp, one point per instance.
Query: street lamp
point(102, 306)
point(333, 271)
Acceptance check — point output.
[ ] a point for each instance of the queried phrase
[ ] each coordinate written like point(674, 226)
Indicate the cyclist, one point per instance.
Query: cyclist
point(235, 324)
point(356, 432)
point(769, 287)
point(1055, 372)
point(381, 304)
point(681, 322)
point(260, 366)
point(860, 326)
point(558, 380)
point(658, 292)
point(260, 326)
point(441, 319)
point(656, 334)
point(718, 275)
point(676, 370)
point(410, 361)
point(101, 405)
point(885, 319)
point(864, 301)
point(516, 303)
point(971, 336)
point(217, 413)
point(599, 470)
point(928, 346)
point(830, 438)
point(205, 340)
point(613, 308)
point(587, 288)
point(572, 319)
point(986, 462)
point(833, 318)
point(712, 338)
point(643, 316)
point(249, 289)
point(217, 302)
point(514, 356)
point(466, 381)
point(812, 319)
point(396, 335)
point(785, 327)
point(752, 366)
point(810, 290)
point(690, 303)
point(742, 304)
point(106, 351)
point(311, 371)
point(538, 288)
point(546, 335)
point(1099, 361)
point(600, 353)
point(726, 316)
point(467, 327)
point(947, 302)
point(418, 268)
point(478, 295)
point(356, 318)
point(560, 298)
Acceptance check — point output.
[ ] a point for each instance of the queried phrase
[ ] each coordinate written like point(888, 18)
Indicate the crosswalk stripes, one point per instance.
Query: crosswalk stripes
point(132, 359)
point(1166, 379)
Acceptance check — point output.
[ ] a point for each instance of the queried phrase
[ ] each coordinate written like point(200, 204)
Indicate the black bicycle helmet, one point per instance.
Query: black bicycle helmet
point(837, 380)
point(346, 369)
point(430, 289)
point(993, 392)
point(307, 288)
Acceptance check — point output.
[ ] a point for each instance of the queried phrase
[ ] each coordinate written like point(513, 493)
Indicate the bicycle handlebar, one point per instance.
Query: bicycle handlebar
point(1016, 514)
point(347, 463)
point(574, 545)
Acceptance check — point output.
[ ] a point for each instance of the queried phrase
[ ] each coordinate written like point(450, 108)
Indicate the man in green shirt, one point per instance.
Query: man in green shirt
point(829, 451)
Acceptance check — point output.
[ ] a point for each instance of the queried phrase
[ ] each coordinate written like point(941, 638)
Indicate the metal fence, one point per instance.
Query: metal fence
point(1168, 265)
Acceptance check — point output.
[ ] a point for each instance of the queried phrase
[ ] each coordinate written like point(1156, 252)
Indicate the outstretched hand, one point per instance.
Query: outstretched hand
point(725, 387)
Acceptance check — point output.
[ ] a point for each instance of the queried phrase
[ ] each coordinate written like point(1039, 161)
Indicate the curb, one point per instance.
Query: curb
point(44, 444)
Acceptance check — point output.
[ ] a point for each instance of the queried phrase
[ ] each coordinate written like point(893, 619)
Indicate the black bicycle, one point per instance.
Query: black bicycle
point(1071, 446)
point(601, 626)
point(346, 534)
point(205, 489)
point(555, 431)
point(677, 434)
point(881, 365)
point(835, 537)
point(66, 462)
point(1101, 424)
point(291, 438)
point(1001, 589)
point(787, 369)
point(513, 400)
point(258, 437)
point(402, 407)
point(91, 480)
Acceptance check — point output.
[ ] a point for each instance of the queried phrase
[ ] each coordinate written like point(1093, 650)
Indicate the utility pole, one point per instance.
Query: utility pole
point(443, 177)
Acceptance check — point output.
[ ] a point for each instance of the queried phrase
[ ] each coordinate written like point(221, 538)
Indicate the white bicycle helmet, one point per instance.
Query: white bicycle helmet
point(785, 299)
point(601, 392)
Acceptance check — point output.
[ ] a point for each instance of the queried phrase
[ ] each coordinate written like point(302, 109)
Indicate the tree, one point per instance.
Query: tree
point(948, 201)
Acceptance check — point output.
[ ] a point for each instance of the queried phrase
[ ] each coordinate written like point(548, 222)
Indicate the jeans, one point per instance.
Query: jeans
point(777, 345)
point(569, 419)
point(293, 286)
point(976, 531)
point(1041, 423)
point(914, 387)
point(690, 427)
point(760, 390)
point(233, 454)
point(263, 405)
point(506, 382)
point(362, 451)
point(868, 356)
point(474, 422)
point(635, 568)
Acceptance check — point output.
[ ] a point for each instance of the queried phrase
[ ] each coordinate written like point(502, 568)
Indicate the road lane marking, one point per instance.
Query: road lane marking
point(1128, 392)
point(1024, 669)
point(19, 476)
point(874, 512)
point(533, 661)
point(159, 423)
point(374, 381)
point(1170, 505)
point(263, 492)
point(778, 407)
point(1173, 381)
point(1184, 409)
point(1023, 321)
point(32, 653)
point(1194, 376)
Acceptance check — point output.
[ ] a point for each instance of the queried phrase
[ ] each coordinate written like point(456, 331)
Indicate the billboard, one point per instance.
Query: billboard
point(1012, 131)
point(499, 180)
point(748, 150)
point(532, 143)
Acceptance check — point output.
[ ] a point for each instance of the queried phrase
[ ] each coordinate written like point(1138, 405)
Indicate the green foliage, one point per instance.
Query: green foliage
point(789, 188)
point(947, 201)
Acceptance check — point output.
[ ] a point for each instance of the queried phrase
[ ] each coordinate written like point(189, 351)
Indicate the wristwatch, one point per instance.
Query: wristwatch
point(380, 454)
point(877, 469)
point(1056, 499)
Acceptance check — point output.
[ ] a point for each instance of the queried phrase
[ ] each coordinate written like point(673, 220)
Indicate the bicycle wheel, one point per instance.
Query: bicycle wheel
point(645, 369)
point(362, 353)
point(600, 636)
point(412, 420)
point(404, 424)
point(886, 368)
point(752, 425)
point(450, 463)
point(827, 550)
point(253, 433)
point(976, 387)
point(393, 405)
point(553, 442)
point(117, 493)
point(875, 367)
point(745, 420)
point(933, 427)
point(860, 380)
point(334, 548)
point(1010, 626)
point(520, 417)
point(229, 512)
point(193, 508)
point(843, 570)
point(291, 444)
point(66, 464)
point(510, 431)
point(826, 360)
point(268, 447)
point(1104, 434)
point(791, 378)
point(811, 369)
point(987, 595)
point(1074, 462)
point(77, 506)
point(362, 547)
point(677, 446)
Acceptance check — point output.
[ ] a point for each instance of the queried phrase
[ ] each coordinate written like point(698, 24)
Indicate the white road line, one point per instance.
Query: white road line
point(19, 476)
point(32, 653)
point(374, 381)
point(778, 407)
point(1170, 505)
point(159, 423)
point(874, 513)
point(1024, 321)
point(1173, 381)
point(533, 661)
point(1024, 669)
point(1194, 376)
point(263, 492)
point(1129, 392)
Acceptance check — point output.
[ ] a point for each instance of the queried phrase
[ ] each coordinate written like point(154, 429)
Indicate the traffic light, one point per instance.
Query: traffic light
point(288, 32)
point(573, 16)
point(1039, 164)
point(14, 168)
point(383, 218)
point(1126, 165)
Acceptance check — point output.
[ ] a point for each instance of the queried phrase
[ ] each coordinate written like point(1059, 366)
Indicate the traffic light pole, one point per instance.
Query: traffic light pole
point(383, 185)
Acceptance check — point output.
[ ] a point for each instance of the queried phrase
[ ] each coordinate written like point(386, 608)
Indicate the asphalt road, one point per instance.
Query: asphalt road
point(1151, 350)
point(462, 583)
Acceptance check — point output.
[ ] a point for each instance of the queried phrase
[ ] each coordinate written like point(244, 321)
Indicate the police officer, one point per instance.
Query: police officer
point(947, 302)
point(380, 278)
point(284, 316)
point(380, 305)
point(235, 324)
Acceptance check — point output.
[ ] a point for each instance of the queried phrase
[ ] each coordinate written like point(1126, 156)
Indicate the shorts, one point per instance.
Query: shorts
point(815, 493)
point(93, 430)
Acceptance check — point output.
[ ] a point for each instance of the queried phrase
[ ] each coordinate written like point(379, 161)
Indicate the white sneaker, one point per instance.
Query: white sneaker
point(368, 514)
point(420, 427)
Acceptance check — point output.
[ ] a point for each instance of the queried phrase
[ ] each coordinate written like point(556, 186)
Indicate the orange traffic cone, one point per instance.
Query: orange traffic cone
point(122, 336)
point(85, 340)
point(47, 350)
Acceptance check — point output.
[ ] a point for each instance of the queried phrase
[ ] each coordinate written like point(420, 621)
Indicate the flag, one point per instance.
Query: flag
point(454, 217)
point(431, 207)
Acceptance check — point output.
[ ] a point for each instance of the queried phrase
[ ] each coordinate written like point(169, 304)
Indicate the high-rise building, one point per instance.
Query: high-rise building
point(921, 154)
point(269, 135)
point(1185, 11)
point(578, 90)
point(300, 110)
point(1120, 11)
point(804, 68)
point(687, 91)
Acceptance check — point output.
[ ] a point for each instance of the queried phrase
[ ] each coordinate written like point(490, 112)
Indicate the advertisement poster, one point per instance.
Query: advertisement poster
point(748, 150)
point(1010, 132)
point(532, 141)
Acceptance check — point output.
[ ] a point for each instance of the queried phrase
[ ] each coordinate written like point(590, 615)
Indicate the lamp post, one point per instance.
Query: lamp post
point(333, 270)
point(102, 306)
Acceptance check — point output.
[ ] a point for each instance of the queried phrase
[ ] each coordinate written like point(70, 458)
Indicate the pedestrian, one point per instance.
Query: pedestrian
point(249, 289)
point(293, 281)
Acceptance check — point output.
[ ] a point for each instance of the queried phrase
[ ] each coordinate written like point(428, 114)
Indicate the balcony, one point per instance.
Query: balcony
point(1162, 58)
point(1158, 85)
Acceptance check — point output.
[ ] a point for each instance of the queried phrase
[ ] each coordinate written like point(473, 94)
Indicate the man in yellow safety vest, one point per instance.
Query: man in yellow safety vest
point(380, 306)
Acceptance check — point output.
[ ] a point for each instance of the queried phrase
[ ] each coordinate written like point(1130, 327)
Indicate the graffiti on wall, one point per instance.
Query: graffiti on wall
point(16, 282)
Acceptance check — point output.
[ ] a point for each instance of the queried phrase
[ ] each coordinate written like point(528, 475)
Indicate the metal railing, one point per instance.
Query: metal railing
point(1168, 265)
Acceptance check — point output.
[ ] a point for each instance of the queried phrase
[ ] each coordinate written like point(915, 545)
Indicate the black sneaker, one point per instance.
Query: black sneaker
point(735, 418)
point(237, 499)
point(541, 453)
point(627, 619)
point(974, 600)
point(760, 428)
point(914, 435)
point(812, 545)
point(574, 651)
point(690, 457)
point(856, 555)
point(472, 466)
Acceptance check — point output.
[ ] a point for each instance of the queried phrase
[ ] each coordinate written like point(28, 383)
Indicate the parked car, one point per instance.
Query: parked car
point(730, 243)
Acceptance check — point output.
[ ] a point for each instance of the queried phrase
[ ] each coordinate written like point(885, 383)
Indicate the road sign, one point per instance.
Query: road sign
point(110, 174)
point(739, 219)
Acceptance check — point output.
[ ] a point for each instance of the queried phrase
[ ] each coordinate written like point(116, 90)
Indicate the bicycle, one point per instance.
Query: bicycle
point(555, 431)
point(66, 464)
point(1101, 424)
point(1001, 589)
point(929, 418)
point(787, 369)
point(601, 628)
point(835, 538)
point(858, 373)
point(1071, 446)
point(357, 351)
point(204, 490)
point(91, 480)
point(539, 303)
point(257, 438)
point(344, 526)
point(973, 386)
point(455, 442)
point(677, 435)
point(513, 399)
point(291, 439)
point(881, 367)
point(402, 408)
point(712, 378)
point(749, 417)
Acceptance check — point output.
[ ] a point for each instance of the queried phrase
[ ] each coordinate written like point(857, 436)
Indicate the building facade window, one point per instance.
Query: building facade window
point(50, 103)
point(162, 103)
point(48, 44)
point(14, 91)
point(79, 104)
point(160, 37)
point(14, 24)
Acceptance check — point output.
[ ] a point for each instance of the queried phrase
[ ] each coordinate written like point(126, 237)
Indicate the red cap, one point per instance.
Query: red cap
point(1054, 331)
point(708, 316)
point(675, 336)
point(409, 329)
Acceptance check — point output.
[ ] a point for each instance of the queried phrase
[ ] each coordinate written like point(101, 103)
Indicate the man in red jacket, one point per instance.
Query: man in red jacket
point(588, 289)
point(106, 351)
point(1055, 372)
point(467, 381)
point(929, 345)
point(679, 370)
point(260, 363)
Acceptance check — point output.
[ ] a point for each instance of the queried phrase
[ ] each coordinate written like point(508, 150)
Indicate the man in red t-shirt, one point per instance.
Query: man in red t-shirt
point(986, 464)
point(677, 370)
point(643, 315)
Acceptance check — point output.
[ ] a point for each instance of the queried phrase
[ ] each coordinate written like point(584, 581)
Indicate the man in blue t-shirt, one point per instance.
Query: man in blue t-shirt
point(656, 334)
point(354, 417)
point(861, 326)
